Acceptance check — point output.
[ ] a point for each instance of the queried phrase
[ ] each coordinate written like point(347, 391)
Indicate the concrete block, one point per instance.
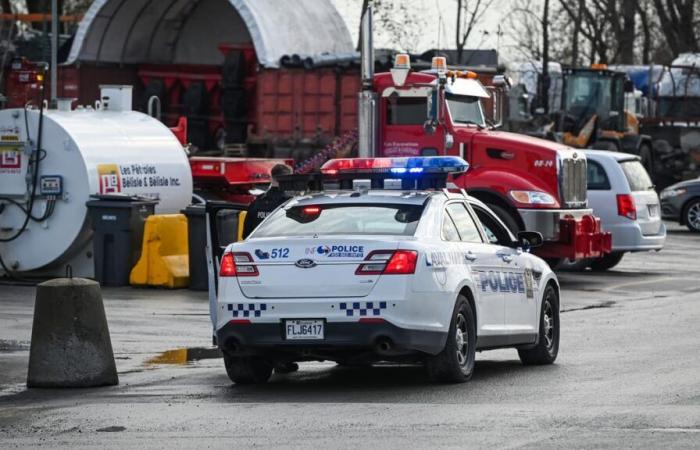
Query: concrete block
point(70, 344)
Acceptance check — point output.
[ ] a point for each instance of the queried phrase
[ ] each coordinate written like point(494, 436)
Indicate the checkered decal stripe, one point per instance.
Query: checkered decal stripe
point(363, 308)
point(247, 309)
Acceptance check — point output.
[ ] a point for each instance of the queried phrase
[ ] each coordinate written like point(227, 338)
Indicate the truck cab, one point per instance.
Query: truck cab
point(531, 183)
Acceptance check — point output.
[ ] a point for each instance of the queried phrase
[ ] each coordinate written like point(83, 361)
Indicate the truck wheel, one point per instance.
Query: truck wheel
point(248, 370)
point(692, 215)
point(607, 262)
point(506, 217)
point(455, 363)
point(545, 352)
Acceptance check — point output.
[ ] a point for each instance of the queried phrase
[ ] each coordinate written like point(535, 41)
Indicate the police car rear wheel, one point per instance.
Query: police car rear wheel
point(547, 348)
point(248, 370)
point(455, 364)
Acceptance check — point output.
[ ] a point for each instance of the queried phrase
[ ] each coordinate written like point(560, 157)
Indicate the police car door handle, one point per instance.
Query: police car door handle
point(469, 256)
point(505, 257)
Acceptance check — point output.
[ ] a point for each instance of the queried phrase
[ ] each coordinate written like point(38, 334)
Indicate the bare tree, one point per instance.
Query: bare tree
point(678, 24)
point(469, 15)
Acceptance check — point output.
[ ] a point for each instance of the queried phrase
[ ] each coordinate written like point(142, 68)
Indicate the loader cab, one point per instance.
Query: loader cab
point(591, 92)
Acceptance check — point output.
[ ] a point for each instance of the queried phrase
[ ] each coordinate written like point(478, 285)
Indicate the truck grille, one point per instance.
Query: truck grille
point(572, 181)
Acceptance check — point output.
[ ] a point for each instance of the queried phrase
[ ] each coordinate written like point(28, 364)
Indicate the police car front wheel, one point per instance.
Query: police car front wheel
point(247, 370)
point(455, 363)
point(545, 352)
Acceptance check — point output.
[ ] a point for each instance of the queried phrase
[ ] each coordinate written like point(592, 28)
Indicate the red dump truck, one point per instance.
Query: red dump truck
point(529, 183)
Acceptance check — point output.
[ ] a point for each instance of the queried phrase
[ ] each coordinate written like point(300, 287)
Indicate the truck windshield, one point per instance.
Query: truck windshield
point(465, 110)
point(367, 219)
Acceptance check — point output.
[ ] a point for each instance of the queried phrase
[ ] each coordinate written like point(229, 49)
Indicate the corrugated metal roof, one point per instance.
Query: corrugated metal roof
point(189, 31)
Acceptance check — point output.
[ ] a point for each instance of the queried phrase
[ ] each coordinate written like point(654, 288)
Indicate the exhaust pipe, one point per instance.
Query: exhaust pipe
point(383, 345)
point(367, 101)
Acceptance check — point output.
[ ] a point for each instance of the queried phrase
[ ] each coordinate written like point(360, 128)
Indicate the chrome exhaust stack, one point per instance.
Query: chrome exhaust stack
point(367, 101)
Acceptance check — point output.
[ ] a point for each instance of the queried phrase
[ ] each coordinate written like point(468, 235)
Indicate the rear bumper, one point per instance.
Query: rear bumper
point(341, 338)
point(628, 237)
point(568, 233)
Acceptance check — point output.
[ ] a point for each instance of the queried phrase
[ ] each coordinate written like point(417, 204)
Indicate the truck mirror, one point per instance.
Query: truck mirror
point(433, 106)
point(629, 86)
point(431, 123)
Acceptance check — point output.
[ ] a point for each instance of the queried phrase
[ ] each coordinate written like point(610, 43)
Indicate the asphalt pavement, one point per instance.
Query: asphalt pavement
point(628, 375)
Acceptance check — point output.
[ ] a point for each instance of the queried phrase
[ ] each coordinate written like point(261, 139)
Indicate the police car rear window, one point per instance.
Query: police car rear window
point(363, 219)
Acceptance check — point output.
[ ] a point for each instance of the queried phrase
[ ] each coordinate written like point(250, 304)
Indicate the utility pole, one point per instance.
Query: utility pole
point(54, 51)
point(544, 82)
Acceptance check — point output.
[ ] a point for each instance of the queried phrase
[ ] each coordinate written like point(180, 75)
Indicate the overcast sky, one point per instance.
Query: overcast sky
point(434, 10)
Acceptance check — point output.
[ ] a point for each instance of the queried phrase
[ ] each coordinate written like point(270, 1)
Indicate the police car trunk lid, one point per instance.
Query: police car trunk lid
point(315, 267)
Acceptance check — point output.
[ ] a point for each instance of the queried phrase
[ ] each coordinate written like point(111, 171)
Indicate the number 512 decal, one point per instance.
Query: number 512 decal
point(279, 253)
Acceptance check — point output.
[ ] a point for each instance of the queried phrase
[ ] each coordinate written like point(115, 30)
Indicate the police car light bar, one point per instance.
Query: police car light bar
point(412, 165)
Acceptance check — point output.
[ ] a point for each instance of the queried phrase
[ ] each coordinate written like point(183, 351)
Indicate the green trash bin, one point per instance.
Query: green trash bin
point(227, 226)
point(117, 222)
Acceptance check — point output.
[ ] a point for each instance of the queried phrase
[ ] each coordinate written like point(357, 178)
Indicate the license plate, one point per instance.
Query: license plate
point(304, 329)
point(653, 210)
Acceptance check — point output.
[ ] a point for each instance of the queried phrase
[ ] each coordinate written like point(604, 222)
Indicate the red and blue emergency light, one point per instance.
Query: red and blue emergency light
point(412, 165)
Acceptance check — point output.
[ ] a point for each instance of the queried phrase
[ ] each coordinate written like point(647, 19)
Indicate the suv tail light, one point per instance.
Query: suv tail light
point(626, 207)
point(388, 262)
point(237, 264)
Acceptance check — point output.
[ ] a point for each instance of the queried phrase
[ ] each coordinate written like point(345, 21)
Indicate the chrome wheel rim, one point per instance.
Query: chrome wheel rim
point(548, 323)
point(462, 340)
point(694, 216)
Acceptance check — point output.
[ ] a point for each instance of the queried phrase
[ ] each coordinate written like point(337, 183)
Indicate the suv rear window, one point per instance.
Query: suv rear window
point(364, 219)
point(637, 176)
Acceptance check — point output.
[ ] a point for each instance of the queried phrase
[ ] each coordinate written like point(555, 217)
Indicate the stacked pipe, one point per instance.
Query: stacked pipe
point(332, 150)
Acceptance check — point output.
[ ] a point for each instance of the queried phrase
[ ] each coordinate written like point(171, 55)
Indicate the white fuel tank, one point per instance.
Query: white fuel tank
point(103, 151)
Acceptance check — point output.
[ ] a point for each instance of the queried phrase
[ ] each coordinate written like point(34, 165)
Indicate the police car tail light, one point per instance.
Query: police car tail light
point(414, 165)
point(402, 262)
point(388, 262)
point(626, 207)
point(237, 264)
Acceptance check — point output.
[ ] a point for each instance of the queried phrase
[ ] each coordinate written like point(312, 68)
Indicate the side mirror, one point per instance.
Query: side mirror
point(529, 239)
point(433, 106)
point(629, 86)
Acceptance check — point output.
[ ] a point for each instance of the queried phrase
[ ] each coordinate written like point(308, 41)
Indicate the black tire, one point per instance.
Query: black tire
point(691, 215)
point(455, 363)
point(506, 217)
point(248, 370)
point(547, 348)
point(607, 262)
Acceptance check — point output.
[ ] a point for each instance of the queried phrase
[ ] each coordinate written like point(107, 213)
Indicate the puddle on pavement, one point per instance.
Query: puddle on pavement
point(7, 346)
point(183, 356)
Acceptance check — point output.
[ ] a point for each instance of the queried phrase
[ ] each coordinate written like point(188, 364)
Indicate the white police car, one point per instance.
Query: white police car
point(384, 275)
